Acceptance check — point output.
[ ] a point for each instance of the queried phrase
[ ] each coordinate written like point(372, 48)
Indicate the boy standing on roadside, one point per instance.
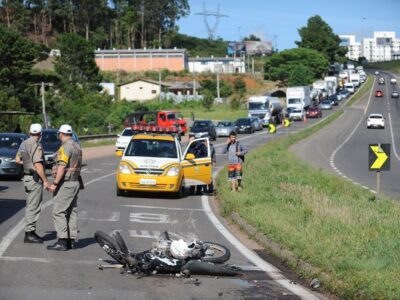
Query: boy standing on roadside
point(236, 153)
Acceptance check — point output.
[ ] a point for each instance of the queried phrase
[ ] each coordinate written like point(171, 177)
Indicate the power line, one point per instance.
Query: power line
point(211, 29)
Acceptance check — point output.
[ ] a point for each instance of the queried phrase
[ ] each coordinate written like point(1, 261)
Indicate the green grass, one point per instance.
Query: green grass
point(393, 66)
point(218, 112)
point(323, 219)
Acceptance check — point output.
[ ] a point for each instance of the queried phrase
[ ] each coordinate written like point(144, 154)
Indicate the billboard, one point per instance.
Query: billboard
point(383, 41)
point(235, 48)
point(258, 47)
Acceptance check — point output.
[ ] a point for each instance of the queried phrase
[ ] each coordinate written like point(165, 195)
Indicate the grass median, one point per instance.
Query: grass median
point(324, 220)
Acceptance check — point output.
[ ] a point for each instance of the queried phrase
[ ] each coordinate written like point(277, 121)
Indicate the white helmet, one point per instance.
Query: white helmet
point(179, 249)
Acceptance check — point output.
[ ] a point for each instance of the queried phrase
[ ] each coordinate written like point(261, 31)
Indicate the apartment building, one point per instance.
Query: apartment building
point(383, 46)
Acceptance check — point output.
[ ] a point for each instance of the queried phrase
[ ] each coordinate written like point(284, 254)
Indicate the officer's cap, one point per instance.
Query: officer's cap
point(65, 128)
point(35, 128)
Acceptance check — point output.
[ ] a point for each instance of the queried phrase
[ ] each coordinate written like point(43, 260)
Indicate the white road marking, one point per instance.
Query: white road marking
point(271, 270)
point(163, 207)
point(393, 140)
point(16, 230)
point(150, 218)
point(333, 155)
point(103, 216)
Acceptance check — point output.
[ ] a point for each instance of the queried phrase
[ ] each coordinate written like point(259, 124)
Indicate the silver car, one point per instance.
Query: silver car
point(224, 128)
point(9, 145)
point(326, 104)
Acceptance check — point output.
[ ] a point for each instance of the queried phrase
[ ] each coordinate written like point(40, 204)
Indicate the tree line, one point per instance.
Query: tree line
point(105, 23)
point(318, 48)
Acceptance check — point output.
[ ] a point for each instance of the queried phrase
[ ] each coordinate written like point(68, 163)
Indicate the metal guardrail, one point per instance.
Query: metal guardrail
point(98, 137)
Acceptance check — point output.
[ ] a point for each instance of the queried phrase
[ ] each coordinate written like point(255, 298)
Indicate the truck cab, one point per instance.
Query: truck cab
point(162, 118)
point(155, 162)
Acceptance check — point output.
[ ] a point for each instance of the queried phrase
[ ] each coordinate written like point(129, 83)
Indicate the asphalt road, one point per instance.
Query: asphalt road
point(31, 272)
point(342, 147)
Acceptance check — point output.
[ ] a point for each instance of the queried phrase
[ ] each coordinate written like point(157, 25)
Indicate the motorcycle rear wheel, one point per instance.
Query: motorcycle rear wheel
point(220, 254)
point(111, 247)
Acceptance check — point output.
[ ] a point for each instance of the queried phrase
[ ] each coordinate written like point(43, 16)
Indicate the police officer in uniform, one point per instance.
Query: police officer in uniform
point(66, 187)
point(30, 155)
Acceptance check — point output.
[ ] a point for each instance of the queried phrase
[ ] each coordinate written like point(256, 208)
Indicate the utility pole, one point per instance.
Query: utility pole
point(42, 85)
point(218, 94)
point(159, 85)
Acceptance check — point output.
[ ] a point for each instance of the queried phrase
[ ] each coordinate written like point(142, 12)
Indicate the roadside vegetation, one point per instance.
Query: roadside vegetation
point(324, 220)
point(393, 66)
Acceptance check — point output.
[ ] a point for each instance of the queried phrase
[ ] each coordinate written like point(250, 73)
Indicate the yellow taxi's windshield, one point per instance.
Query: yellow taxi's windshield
point(152, 148)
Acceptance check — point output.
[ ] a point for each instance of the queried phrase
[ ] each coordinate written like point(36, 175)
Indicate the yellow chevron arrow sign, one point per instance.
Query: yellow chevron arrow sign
point(286, 122)
point(271, 128)
point(378, 161)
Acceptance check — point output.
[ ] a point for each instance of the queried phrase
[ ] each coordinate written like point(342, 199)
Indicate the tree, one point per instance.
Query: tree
point(318, 35)
point(239, 86)
point(76, 65)
point(300, 75)
point(208, 100)
point(280, 65)
point(17, 56)
point(252, 37)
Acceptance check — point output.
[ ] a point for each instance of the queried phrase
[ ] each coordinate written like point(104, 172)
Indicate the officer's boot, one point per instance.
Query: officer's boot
point(71, 243)
point(32, 238)
point(60, 245)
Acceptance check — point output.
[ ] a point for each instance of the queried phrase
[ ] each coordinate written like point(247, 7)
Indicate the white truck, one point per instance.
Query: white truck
point(322, 87)
point(355, 79)
point(298, 97)
point(332, 83)
point(267, 108)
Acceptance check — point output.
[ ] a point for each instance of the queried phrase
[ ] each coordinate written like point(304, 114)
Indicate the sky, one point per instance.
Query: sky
point(279, 20)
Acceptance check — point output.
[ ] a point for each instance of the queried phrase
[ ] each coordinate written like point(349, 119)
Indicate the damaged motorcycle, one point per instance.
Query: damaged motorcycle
point(169, 256)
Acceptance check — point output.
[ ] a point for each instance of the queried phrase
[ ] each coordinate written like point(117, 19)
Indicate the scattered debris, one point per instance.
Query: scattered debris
point(315, 283)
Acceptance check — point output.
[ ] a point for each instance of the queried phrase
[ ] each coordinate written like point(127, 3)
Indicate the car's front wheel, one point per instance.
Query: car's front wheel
point(119, 191)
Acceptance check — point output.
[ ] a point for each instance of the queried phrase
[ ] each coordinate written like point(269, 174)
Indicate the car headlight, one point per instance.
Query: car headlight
point(8, 159)
point(173, 171)
point(124, 169)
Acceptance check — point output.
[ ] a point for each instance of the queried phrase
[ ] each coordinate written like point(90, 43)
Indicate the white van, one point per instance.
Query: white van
point(350, 87)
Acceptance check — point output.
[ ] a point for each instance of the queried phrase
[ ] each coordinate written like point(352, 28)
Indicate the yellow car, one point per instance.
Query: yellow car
point(155, 162)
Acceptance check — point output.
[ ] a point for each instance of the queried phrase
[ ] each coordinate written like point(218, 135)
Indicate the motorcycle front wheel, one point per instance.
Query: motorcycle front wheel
point(111, 247)
point(216, 253)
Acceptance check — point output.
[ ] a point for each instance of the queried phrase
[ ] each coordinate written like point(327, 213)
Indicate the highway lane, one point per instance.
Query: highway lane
point(30, 271)
point(342, 147)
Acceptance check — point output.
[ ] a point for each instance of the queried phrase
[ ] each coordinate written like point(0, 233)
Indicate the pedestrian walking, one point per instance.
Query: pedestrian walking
point(66, 187)
point(30, 155)
point(236, 153)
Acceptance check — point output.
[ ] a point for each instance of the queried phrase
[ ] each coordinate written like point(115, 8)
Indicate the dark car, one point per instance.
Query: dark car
point(51, 143)
point(334, 100)
point(245, 125)
point(203, 128)
point(9, 145)
point(314, 112)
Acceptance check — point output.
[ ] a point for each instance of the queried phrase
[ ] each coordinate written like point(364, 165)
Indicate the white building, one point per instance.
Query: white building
point(217, 65)
point(382, 47)
point(354, 47)
point(140, 90)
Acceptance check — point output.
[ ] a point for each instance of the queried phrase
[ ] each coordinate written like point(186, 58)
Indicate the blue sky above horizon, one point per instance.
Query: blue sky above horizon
point(282, 19)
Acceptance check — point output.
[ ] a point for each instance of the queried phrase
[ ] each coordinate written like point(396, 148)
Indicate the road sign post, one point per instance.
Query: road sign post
point(379, 160)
